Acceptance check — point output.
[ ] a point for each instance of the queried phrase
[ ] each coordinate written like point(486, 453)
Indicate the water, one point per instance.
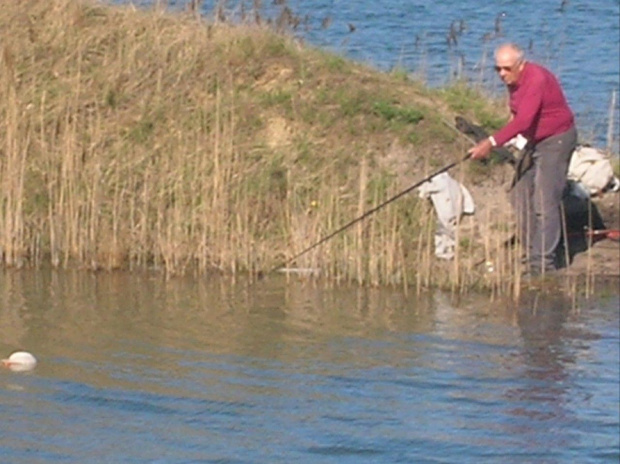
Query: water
point(133, 369)
point(579, 42)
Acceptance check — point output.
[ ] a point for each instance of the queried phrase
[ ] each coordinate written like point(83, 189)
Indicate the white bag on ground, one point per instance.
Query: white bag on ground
point(451, 200)
point(592, 168)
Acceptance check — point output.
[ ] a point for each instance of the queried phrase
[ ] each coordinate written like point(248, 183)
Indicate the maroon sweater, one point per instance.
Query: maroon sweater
point(538, 107)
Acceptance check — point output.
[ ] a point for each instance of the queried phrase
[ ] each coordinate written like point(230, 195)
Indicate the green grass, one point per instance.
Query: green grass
point(465, 100)
point(391, 112)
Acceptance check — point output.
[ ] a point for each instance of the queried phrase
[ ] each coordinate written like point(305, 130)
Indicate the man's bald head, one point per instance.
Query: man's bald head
point(509, 62)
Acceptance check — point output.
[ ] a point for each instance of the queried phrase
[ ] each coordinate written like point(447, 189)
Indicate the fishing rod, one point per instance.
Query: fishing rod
point(368, 213)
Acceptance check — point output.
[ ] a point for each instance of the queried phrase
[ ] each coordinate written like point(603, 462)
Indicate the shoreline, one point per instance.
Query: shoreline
point(141, 140)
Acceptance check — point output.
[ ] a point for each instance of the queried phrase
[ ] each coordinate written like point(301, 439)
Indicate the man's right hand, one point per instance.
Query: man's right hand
point(481, 150)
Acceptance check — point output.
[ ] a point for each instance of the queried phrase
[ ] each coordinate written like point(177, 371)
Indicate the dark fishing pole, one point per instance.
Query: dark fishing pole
point(369, 212)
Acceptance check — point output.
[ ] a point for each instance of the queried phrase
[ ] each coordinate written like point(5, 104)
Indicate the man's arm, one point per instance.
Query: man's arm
point(520, 122)
point(526, 114)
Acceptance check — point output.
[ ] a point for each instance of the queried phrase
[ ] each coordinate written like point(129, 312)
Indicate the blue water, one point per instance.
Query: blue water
point(139, 370)
point(579, 42)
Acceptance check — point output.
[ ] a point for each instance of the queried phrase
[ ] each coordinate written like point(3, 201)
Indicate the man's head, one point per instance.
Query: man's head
point(509, 63)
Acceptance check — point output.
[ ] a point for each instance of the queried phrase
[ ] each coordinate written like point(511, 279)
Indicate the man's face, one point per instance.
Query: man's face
point(508, 66)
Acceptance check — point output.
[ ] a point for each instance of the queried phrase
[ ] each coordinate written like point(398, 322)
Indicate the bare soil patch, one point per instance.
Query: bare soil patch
point(600, 254)
point(588, 254)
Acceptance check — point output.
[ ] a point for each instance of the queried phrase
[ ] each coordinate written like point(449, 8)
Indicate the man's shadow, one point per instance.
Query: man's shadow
point(582, 221)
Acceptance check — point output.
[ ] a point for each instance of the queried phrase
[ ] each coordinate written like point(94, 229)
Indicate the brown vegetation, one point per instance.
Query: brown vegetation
point(144, 139)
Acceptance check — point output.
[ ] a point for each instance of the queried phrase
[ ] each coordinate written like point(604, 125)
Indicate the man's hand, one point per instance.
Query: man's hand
point(481, 150)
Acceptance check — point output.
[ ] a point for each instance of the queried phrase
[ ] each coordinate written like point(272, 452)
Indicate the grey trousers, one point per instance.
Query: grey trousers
point(537, 197)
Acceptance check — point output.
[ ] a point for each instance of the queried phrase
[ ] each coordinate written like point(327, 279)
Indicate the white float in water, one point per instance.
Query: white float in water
point(20, 361)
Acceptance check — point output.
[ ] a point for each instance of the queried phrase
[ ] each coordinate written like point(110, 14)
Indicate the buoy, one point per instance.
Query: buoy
point(20, 361)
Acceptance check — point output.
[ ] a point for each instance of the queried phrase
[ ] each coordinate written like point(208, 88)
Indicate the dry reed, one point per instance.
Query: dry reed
point(142, 139)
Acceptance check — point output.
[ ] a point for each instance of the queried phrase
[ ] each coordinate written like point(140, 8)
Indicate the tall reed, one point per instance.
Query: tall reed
point(146, 140)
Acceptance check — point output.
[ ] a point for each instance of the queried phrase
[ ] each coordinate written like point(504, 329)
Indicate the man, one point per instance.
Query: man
point(540, 113)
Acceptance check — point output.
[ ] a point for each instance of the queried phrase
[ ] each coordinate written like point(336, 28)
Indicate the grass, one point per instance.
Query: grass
point(471, 101)
point(135, 139)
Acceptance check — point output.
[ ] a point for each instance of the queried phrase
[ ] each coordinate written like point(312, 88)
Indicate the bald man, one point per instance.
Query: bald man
point(540, 113)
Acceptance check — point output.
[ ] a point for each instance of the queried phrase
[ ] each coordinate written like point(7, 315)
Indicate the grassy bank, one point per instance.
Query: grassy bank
point(142, 139)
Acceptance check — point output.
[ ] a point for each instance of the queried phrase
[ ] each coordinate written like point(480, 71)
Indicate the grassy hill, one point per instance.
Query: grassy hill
point(151, 140)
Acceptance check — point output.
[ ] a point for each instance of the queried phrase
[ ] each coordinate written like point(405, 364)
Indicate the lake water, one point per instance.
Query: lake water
point(578, 39)
point(133, 369)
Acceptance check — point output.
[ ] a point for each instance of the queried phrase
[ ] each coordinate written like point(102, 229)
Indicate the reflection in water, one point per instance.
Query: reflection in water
point(538, 400)
point(545, 353)
point(277, 371)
